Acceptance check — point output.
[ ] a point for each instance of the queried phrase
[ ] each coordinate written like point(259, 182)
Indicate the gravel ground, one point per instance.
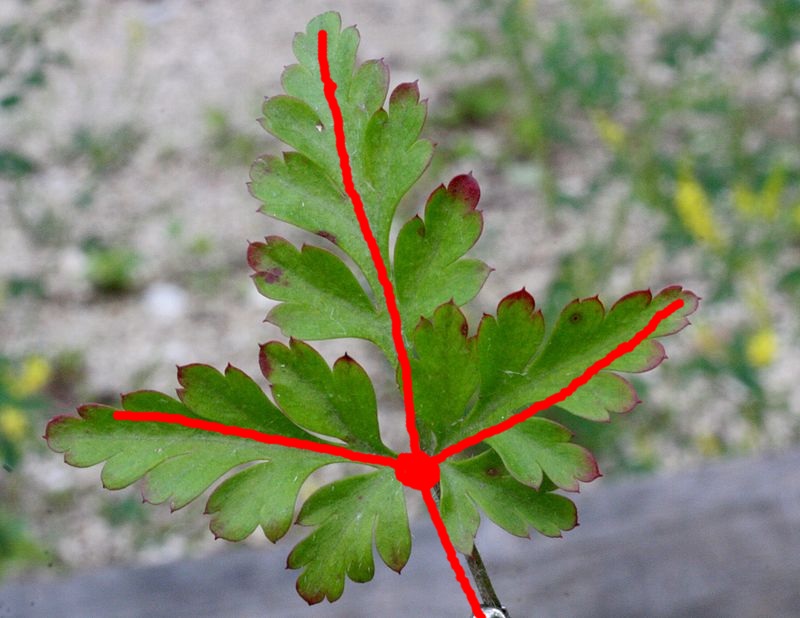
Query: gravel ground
point(160, 66)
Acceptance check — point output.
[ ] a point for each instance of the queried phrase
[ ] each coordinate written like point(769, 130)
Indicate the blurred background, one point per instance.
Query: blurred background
point(620, 144)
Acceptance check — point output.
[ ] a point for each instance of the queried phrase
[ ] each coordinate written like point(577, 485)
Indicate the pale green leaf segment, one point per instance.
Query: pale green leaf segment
point(461, 383)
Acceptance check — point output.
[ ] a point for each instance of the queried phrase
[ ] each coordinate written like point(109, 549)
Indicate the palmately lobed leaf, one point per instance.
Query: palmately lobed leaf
point(461, 383)
point(387, 156)
point(483, 482)
point(339, 403)
point(348, 514)
point(308, 281)
point(429, 268)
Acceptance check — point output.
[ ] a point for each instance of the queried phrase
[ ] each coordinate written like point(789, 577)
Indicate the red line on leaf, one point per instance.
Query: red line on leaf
point(622, 349)
point(452, 557)
point(405, 468)
point(329, 88)
point(252, 434)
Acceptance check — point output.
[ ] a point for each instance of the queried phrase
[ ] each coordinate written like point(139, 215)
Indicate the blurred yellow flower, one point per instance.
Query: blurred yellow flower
point(611, 133)
point(649, 7)
point(694, 209)
point(31, 378)
point(13, 423)
point(745, 200)
point(762, 347)
point(764, 204)
point(708, 445)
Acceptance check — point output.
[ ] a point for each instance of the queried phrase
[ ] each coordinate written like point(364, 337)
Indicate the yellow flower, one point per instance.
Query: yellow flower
point(745, 200)
point(32, 377)
point(764, 204)
point(762, 347)
point(694, 209)
point(771, 193)
point(13, 423)
point(612, 133)
point(708, 445)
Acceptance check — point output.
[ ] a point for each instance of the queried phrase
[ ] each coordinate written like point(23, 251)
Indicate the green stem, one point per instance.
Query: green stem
point(478, 571)
point(481, 578)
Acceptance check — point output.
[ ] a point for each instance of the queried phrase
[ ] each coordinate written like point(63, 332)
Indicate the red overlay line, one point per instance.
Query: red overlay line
point(404, 465)
point(329, 88)
point(252, 434)
point(622, 349)
point(416, 469)
point(452, 556)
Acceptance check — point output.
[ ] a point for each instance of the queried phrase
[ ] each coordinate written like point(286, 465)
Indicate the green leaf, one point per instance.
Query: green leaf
point(179, 463)
point(233, 399)
point(540, 446)
point(14, 165)
point(483, 482)
point(520, 368)
point(323, 299)
point(428, 264)
point(462, 383)
point(386, 155)
point(348, 514)
point(445, 373)
point(339, 403)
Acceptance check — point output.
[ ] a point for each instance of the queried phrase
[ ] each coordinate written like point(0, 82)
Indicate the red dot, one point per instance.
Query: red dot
point(417, 471)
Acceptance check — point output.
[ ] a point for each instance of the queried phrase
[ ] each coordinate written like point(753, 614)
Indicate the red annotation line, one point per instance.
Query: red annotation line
point(569, 389)
point(416, 469)
point(417, 465)
point(329, 88)
point(452, 556)
point(251, 434)
point(403, 465)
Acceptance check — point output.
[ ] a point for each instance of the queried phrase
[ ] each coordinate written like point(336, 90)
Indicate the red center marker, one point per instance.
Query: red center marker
point(416, 469)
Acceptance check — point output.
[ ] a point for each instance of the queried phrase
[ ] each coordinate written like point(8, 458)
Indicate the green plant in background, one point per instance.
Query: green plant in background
point(232, 147)
point(21, 387)
point(25, 57)
point(110, 269)
point(462, 383)
point(21, 405)
point(671, 132)
point(549, 71)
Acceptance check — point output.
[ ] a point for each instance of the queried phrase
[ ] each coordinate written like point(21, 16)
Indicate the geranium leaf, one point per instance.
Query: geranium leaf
point(386, 154)
point(482, 482)
point(180, 463)
point(462, 384)
point(348, 514)
point(445, 373)
point(429, 268)
point(339, 403)
point(323, 299)
point(540, 446)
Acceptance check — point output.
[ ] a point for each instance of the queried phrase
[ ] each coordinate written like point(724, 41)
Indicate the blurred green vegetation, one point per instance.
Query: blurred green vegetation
point(23, 408)
point(688, 121)
point(682, 130)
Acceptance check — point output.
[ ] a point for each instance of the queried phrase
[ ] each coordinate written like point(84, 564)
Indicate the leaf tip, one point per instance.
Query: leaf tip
point(405, 92)
point(465, 189)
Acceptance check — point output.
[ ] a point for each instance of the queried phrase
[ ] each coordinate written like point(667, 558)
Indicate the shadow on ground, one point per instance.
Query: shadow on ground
point(720, 541)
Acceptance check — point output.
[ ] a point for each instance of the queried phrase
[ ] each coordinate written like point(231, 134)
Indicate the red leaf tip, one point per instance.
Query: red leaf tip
point(465, 188)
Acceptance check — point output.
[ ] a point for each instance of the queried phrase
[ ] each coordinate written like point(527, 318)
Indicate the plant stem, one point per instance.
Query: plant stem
point(481, 578)
point(478, 571)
